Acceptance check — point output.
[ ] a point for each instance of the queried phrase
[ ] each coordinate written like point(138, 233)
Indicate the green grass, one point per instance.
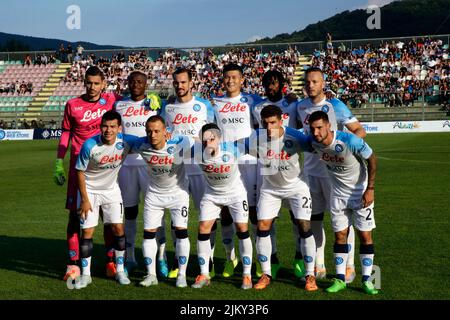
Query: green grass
point(411, 240)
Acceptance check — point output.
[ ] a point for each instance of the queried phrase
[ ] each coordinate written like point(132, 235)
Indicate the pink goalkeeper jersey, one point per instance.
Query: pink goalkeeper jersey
point(82, 118)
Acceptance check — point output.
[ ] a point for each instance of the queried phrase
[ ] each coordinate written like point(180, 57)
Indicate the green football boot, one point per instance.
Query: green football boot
point(338, 285)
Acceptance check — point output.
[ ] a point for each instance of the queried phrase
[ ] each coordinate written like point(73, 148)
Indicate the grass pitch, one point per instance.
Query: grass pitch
point(411, 239)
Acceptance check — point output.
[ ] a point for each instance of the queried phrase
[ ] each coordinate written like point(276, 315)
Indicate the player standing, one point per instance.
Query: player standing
point(353, 184)
point(167, 189)
point(340, 116)
point(186, 116)
point(133, 177)
point(273, 82)
point(82, 118)
point(233, 115)
point(98, 166)
point(224, 187)
point(278, 148)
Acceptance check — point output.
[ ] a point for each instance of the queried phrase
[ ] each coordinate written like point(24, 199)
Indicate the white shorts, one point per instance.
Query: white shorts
point(248, 174)
point(111, 205)
point(270, 202)
point(154, 205)
point(133, 181)
point(197, 187)
point(345, 212)
point(211, 206)
point(320, 189)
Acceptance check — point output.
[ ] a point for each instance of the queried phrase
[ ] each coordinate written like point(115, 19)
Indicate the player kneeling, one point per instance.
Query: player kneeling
point(224, 188)
point(97, 168)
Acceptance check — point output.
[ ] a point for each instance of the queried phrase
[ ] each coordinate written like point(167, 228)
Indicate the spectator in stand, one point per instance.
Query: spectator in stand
point(69, 51)
point(28, 61)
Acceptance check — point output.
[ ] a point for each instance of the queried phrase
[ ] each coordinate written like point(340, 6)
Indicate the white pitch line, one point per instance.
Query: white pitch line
point(410, 160)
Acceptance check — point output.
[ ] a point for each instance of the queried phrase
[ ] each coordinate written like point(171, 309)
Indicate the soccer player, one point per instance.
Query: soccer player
point(186, 116)
point(351, 165)
point(233, 115)
point(224, 187)
point(278, 148)
point(133, 177)
point(98, 166)
point(340, 116)
point(82, 117)
point(167, 189)
point(273, 82)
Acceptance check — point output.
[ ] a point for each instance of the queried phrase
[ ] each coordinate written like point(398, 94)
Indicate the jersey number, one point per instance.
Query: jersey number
point(305, 204)
point(184, 212)
point(368, 218)
point(245, 205)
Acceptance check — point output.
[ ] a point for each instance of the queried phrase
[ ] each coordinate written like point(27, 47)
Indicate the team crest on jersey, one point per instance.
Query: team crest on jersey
point(196, 107)
point(244, 99)
point(102, 101)
point(170, 150)
point(289, 144)
point(285, 103)
point(325, 109)
point(120, 146)
point(225, 158)
point(339, 148)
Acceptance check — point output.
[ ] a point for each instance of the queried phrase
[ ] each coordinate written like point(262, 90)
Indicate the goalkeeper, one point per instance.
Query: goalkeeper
point(82, 117)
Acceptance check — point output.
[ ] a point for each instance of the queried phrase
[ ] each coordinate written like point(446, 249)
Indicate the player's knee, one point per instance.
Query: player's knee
point(131, 213)
point(304, 227)
point(365, 238)
point(181, 234)
point(317, 217)
point(149, 235)
point(119, 243)
point(204, 236)
point(86, 246)
point(243, 235)
point(341, 237)
point(226, 218)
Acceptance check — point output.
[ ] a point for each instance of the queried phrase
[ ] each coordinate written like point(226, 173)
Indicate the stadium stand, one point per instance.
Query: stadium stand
point(395, 80)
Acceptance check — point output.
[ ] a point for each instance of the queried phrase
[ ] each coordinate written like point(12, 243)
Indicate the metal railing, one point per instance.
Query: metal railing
point(303, 47)
point(375, 107)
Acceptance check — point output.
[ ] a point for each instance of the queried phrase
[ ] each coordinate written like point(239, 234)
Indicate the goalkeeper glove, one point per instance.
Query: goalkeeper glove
point(153, 101)
point(59, 176)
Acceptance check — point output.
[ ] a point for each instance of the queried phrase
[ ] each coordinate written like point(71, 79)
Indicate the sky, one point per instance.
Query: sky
point(175, 23)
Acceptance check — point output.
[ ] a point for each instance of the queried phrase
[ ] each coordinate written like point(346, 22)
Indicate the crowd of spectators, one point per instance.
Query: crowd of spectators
point(16, 88)
point(206, 67)
point(395, 73)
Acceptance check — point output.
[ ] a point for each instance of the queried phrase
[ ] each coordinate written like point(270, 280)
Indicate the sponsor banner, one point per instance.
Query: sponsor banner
point(407, 126)
point(16, 134)
point(46, 134)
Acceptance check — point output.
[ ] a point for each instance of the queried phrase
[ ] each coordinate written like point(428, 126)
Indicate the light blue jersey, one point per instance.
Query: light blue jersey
point(338, 114)
point(221, 170)
point(234, 116)
point(279, 158)
point(344, 159)
point(166, 166)
point(101, 162)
